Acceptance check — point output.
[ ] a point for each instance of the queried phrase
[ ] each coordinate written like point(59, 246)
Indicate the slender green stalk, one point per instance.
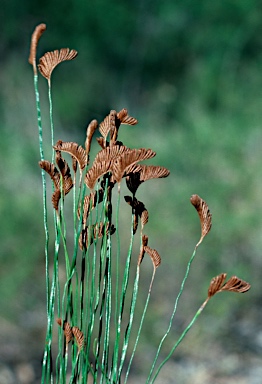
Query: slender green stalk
point(179, 340)
point(121, 307)
point(173, 314)
point(140, 327)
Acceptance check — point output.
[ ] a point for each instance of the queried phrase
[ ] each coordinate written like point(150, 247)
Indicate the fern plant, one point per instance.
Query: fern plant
point(90, 292)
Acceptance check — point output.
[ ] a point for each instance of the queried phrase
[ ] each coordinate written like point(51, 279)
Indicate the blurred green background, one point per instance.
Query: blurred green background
point(190, 72)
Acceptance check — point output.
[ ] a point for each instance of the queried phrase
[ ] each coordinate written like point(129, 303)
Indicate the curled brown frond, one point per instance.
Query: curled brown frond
point(76, 151)
point(52, 171)
point(108, 124)
point(50, 60)
point(216, 284)
point(204, 215)
point(89, 134)
point(103, 163)
point(90, 202)
point(67, 330)
point(125, 118)
point(39, 30)
point(130, 157)
point(141, 173)
point(142, 250)
point(97, 170)
point(155, 257)
point(56, 196)
point(79, 336)
point(234, 284)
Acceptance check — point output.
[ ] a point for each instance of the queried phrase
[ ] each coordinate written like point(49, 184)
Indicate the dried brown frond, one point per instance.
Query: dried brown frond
point(79, 336)
point(75, 150)
point(204, 215)
point(153, 172)
point(52, 171)
point(50, 60)
point(56, 196)
point(137, 174)
point(155, 257)
point(39, 30)
point(235, 284)
point(144, 218)
point(108, 124)
point(216, 284)
point(67, 330)
point(62, 164)
point(89, 134)
point(128, 158)
point(97, 170)
point(111, 153)
point(102, 163)
point(125, 119)
point(142, 250)
point(90, 202)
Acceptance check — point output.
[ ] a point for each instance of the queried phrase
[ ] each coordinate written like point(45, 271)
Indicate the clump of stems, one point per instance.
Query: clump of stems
point(91, 294)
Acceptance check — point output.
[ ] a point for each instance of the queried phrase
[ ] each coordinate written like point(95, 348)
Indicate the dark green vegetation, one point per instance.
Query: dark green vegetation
point(191, 73)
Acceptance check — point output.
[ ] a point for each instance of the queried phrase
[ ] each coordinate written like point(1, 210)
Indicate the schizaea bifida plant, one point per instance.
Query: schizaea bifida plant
point(91, 301)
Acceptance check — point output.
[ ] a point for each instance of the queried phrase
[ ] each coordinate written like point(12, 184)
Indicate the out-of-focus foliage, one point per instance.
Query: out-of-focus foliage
point(191, 73)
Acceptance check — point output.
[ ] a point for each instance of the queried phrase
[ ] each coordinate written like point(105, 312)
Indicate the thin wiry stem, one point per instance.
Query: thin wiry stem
point(173, 314)
point(199, 311)
point(140, 326)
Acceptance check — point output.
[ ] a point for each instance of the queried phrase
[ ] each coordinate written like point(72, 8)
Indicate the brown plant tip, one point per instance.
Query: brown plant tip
point(155, 257)
point(216, 284)
point(89, 134)
point(204, 215)
point(76, 151)
point(67, 329)
point(39, 30)
point(135, 177)
point(234, 284)
point(52, 171)
point(79, 336)
point(50, 60)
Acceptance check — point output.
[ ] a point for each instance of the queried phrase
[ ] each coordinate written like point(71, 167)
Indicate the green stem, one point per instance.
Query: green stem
point(173, 314)
point(179, 340)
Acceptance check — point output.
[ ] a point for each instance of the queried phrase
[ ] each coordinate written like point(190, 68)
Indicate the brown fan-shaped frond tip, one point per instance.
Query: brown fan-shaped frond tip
point(97, 170)
point(155, 257)
point(56, 196)
point(50, 60)
point(123, 162)
point(216, 284)
point(153, 172)
point(108, 124)
point(52, 171)
point(125, 119)
point(67, 330)
point(79, 336)
point(39, 30)
point(204, 215)
point(89, 134)
point(234, 284)
point(75, 150)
